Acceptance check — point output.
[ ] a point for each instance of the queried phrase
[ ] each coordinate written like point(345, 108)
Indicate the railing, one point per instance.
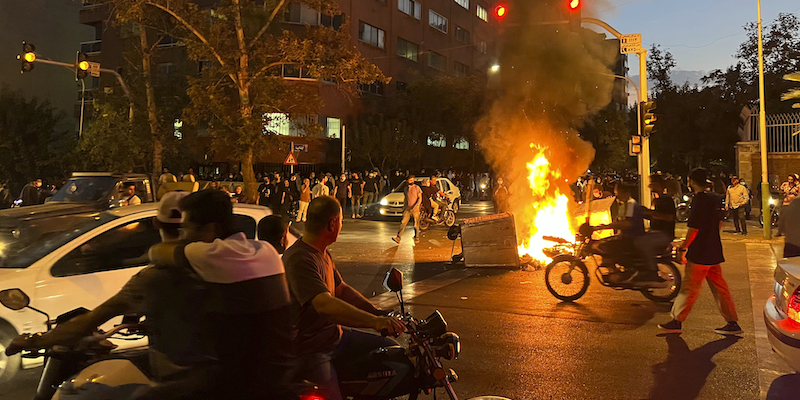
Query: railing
point(783, 132)
point(92, 47)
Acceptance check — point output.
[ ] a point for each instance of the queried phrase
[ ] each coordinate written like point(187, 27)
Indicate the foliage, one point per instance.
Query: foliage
point(33, 142)
point(609, 131)
point(382, 142)
point(659, 66)
point(112, 143)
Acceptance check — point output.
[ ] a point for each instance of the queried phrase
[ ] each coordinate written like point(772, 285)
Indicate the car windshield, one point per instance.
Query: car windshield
point(22, 247)
point(402, 186)
point(83, 190)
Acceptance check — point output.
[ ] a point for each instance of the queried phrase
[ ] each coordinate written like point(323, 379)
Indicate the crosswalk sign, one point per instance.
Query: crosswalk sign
point(290, 160)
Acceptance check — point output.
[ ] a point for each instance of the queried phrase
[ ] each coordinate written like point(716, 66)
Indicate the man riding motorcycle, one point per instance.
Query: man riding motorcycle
point(631, 225)
point(435, 193)
point(326, 307)
point(174, 302)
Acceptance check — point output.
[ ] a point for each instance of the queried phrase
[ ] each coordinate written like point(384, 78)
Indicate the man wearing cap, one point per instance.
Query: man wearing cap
point(173, 301)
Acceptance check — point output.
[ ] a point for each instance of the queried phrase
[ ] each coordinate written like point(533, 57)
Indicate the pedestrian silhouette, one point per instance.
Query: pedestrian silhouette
point(683, 374)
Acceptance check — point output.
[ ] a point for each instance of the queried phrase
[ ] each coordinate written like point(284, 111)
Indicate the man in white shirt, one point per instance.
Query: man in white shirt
point(321, 188)
point(129, 195)
point(736, 197)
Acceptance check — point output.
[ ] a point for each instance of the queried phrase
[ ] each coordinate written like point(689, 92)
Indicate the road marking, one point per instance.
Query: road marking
point(388, 300)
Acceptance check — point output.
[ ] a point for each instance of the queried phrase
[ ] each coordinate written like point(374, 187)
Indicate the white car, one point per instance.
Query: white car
point(80, 262)
point(392, 204)
point(782, 312)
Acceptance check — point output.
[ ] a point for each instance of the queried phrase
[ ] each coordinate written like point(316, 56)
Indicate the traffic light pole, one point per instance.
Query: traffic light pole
point(644, 156)
point(766, 215)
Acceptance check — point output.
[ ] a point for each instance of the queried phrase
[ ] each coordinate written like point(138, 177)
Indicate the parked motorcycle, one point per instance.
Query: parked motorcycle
point(567, 277)
point(397, 371)
point(774, 213)
point(446, 216)
point(682, 207)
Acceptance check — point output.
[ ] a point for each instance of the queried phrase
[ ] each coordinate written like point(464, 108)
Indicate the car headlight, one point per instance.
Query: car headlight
point(685, 198)
point(384, 202)
point(771, 201)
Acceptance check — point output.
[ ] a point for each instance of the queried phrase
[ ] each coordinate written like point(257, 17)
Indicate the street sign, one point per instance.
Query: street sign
point(94, 69)
point(290, 160)
point(298, 148)
point(630, 43)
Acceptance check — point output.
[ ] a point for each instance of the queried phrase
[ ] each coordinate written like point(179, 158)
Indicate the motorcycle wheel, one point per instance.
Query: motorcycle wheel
point(682, 214)
point(8, 365)
point(669, 271)
point(424, 221)
point(456, 205)
point(449, 218)
point(567, 278)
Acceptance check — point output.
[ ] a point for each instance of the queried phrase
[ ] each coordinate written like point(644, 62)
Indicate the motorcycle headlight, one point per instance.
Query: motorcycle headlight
point(685, 198)
point(384, 202)
point(483, 186)
point(771, 201)
point(448, 346)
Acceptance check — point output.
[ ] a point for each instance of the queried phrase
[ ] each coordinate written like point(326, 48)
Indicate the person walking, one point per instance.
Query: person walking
point(703, 257)
point(305, 198)
point(736, 198)
point(370, 189)
point(413, 202)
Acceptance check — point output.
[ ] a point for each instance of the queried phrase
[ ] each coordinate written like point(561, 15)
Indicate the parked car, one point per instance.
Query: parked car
point(392, 204)
point(782, 312)
point(80, 264)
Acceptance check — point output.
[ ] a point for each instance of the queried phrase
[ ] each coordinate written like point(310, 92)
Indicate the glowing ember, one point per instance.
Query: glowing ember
point(549, 210)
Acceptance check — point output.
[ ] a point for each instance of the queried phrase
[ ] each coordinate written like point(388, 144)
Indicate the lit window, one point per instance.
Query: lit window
point(407, 49)
point(435, 140)
point(461, 144)
point(299, 13)
point(463, 3)
point(371, 35)
point(334, 128)
point(176, 128)
point(437, 61)
point(437, 21)
point(410, 7)
point(462, 35)
point(275, 124)
point(482, 13)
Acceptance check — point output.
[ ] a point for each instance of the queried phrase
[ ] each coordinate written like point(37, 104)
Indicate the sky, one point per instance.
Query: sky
point(702, 35)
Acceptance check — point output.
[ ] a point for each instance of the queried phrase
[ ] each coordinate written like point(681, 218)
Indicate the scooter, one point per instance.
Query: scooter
point(567, 277)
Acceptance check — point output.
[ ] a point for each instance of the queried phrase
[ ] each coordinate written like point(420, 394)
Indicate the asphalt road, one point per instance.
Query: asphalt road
point(520, 342)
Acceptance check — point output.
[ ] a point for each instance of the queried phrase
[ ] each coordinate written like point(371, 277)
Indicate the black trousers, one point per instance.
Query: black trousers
point(739, 222)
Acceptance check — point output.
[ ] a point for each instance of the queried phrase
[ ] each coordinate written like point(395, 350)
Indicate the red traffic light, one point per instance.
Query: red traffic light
point(574, 4)
point(500, 11)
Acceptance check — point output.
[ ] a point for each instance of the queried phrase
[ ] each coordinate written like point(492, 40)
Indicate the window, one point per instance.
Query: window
point(462, 35)
point(243, 223)
point(482, 46)
point(460, 69)
point(409, 7)
point(177, 125)
point(299, 13)
point(461, 144)
point(407, 49)
point(168, 41)
point(463, 3)
point(482, 13)
point(335, 22)
point(437, 21)
point(295, 71)
point(437, 61)
point(333, 130)
point(281, 124)
point(374, 88)
point(125, 246)
point(371, 35)
point(166, 68)
point(401, 85)
point(435, 140)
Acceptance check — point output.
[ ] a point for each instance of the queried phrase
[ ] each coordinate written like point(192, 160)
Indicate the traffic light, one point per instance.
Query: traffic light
point(635, 145)
point(500, 11)
point(81, 66)
point(574, 4)
point(573, 13)
point(793, 93)
point(27, 57)
point(648, 117)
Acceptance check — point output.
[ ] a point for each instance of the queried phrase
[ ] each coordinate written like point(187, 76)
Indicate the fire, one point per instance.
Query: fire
point(549, 210)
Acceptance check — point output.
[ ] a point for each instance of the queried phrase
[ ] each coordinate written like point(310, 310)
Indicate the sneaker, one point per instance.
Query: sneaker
point(396, 239)
point(732, 328)
point(673, 326)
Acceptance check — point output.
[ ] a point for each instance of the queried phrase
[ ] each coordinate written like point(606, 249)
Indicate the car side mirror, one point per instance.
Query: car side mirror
point(393, 280)
point(14, 299)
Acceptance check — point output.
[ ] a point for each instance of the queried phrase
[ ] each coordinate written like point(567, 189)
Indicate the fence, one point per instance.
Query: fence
point(783, 132)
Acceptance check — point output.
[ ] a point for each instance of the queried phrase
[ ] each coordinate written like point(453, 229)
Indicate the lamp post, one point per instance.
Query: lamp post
point(762, 128)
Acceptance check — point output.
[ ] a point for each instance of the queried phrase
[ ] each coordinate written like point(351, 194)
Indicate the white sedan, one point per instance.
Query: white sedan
point(782, 312)
point(80, 262)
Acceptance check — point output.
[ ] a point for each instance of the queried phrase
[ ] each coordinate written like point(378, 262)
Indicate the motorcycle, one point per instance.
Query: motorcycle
point(91, 369)
point(683, 206)
point(446, 216)
point(774, 214)
point(397, 371)
point(567, 277)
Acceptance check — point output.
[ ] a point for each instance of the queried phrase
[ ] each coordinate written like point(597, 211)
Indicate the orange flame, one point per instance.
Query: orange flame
point(550, 208)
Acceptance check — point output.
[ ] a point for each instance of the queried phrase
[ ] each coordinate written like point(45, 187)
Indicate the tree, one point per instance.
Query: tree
point(112, 142)
point(609, 131)
point(383, 142)
point(245, 49)
point(33, 142)
point(659, 66)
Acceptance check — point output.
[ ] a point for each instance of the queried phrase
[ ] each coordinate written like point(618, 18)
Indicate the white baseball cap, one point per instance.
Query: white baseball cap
point(168, 210)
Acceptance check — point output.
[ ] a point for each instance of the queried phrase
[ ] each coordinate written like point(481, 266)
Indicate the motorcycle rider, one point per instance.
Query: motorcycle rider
point(326, 307)
point(429, 204)
point(662, 229)
point(180, 354)
point(436, 203)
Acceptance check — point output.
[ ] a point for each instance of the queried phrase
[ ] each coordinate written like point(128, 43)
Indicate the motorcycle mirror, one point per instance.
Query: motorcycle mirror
point(14, 299)
point(393, 280)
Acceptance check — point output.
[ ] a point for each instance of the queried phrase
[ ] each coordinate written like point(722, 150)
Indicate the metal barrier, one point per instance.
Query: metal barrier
point(783, 132)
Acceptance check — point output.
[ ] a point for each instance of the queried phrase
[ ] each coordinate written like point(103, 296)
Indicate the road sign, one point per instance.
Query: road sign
point(298, 148)
point(290, 160)
point(630, 43)
point(94, 69)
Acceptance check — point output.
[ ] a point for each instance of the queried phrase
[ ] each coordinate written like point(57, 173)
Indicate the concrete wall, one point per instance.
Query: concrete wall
point(779, 165)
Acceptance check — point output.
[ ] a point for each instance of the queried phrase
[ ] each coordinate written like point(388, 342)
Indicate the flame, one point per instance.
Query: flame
point(550, 208)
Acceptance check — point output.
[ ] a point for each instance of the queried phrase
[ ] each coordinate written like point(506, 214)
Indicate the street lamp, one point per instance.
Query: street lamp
point(762, 127)
point(495, 68)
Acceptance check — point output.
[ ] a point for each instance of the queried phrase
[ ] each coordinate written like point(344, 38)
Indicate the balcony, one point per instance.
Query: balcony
point(92, 47)
point(93, 13)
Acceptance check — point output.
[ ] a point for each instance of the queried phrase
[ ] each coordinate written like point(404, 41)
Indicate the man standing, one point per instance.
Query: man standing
point(703, 249)
point(357, 189)
point(326, 307)
point(412, 204)
point(264, 191)
point(500, 197)
point(342, 191)
point(370, 189)
point(736, 198)
point(321, 188)
point(31, 193)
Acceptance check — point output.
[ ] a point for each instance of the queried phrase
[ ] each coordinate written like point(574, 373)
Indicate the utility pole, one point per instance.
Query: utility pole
point(766, 216)
point(343, 151)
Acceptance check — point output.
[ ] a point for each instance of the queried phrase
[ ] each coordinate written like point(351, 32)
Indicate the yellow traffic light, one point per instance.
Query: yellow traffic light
point(26, 57)
point(500, 11)
point(648, 117)
point(30, 57)
point(84, 65)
